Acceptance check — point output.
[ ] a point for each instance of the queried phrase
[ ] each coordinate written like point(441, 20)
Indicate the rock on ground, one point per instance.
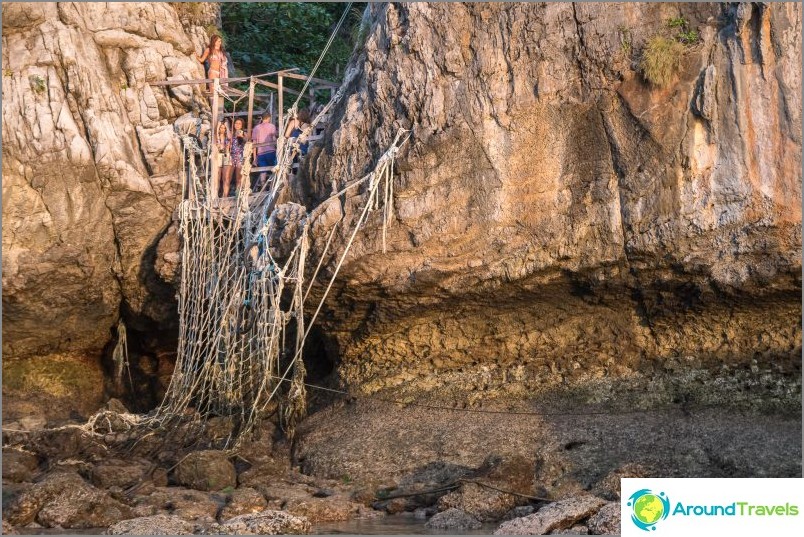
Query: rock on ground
point(574, 530)
point(65, 500)
point(453, 519)
point(192, 505)
point(243, 501)
point(554, 516)
point(606, 521)
point(483, 503)
point(265, 523)
point(206, 470)
point(120, 473)
point(19, 465)
point(153, 525)
point(8, 529)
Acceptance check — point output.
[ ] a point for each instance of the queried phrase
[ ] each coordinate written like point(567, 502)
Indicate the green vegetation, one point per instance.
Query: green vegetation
point(37, 83)
point(689, 37)
point(264, 37)
point(626, 44)
point(661, 58)
point(678, 22)
point(662, 55)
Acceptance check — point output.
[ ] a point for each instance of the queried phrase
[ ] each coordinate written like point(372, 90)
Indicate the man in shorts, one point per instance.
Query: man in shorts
point(263, 139)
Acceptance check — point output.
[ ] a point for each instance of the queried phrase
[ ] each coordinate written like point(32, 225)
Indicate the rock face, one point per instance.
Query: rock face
point(90, 165)
point(556, 216)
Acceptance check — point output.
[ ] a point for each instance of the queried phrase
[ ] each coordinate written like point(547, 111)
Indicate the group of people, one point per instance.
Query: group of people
point(231, 137)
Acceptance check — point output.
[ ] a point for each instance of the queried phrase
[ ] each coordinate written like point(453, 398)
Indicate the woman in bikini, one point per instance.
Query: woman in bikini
point(218, 66)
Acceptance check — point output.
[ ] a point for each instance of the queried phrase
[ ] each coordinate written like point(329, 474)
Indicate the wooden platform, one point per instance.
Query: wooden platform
point(223, 206)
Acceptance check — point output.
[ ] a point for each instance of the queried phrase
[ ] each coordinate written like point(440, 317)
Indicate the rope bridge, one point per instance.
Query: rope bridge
point(243, 311)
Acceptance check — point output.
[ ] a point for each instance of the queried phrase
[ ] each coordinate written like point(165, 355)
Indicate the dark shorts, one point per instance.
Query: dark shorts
point(266, 159)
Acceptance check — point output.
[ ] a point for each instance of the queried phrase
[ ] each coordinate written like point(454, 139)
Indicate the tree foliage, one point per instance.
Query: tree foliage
point(264, 37)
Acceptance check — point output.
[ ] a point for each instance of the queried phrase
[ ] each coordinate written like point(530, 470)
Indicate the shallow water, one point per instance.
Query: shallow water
point(403, 524)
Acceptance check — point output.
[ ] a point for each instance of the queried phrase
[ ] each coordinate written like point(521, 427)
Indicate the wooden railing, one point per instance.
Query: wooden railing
point(275, 106)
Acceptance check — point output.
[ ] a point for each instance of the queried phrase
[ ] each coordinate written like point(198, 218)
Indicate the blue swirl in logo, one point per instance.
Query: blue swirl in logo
point(648, 508)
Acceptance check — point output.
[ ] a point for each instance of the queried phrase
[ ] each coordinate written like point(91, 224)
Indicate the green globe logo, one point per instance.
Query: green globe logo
point(648, 508)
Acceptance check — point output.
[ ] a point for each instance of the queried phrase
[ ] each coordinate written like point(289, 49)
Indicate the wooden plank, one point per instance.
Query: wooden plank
point(250, 105)
point(318, 81)
point(281, 135)
point(214, 172)
point(222, 80)
point(276, 87)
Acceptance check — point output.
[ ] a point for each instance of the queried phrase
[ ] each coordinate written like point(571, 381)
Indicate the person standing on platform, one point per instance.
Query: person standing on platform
point(216, 55)
point(263, 138)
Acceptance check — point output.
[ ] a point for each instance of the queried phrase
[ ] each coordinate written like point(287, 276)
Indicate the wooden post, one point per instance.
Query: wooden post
point(250, 105)
point(212, 184)
point(312, 97)
point(280, 134)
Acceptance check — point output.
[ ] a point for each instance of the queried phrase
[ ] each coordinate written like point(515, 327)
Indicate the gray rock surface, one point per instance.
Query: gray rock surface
point(453, 519)
point(606, 521)
point(153, 525)
point(265, 523)
point(554, 516)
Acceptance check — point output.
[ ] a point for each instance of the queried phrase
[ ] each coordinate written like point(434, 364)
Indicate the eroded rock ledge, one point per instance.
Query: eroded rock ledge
point(556, 214)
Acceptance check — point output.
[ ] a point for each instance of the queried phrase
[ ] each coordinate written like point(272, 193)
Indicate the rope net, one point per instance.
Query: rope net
point(243, 316)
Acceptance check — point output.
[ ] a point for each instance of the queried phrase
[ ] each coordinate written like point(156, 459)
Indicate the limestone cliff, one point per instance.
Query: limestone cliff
point(557, 216)
point(90, 165)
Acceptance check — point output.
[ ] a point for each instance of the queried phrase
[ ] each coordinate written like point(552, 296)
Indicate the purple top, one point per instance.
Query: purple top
point(238, 144)
point(264, 133)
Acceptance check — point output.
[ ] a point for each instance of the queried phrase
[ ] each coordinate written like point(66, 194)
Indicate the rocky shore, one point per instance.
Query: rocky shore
point(521, 466)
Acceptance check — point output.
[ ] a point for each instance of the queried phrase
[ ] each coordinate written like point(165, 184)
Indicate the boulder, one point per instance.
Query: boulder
point(65, 500)
point(331, 509)
point(606, 521)
point(191, 505)
point(120, 473)
point(153, 525)
point(19, 465)
point(453, 519)
point(554, 516)
point(243, 501)
point(206, 470)
point(519, 512)
point(574, 530)
point(8, 529)
point(481, 502)
point(265, 523)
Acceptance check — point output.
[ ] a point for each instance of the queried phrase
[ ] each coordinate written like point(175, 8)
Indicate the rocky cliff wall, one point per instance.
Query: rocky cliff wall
point(558, 217)
point(90, 165)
